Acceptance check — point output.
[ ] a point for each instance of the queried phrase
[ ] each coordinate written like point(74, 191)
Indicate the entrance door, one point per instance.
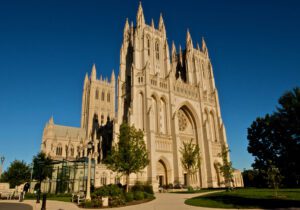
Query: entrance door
point(161, 181)
point(162, 174)
point(185, 179)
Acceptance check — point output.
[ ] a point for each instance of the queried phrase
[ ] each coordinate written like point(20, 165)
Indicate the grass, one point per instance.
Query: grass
point(249, 198)
point(195, 191)
point(60, 197)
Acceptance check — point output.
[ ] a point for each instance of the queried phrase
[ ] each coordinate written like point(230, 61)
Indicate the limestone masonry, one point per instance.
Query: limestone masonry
point(170, 95)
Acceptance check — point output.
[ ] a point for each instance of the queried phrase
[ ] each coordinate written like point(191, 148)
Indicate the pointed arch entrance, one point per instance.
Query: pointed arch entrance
point(188, 132)
point(162, 173)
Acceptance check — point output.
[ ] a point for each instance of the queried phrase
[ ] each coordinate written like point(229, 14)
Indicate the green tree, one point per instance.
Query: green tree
point(42, 167)
point(130, 154)
point(276, 138)
point(17, 173)
point(226, 168)
point(273, 177)
point(190, 158)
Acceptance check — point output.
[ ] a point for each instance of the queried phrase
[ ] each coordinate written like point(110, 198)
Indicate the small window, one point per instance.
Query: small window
point(148, 46)
point(72, 152)
point(102, 119)
point(157, 50)
point(59, 150)
point(97, 95)
point(108, 97)
point(103, 96)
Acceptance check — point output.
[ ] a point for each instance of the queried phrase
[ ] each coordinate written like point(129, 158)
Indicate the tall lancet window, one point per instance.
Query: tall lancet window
point(163, 117)
point(103, 96)
point(148, 45)
point(157, 50)
point(97, 94)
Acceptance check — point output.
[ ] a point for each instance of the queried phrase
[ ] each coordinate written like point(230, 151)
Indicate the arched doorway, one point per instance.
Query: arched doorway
point(188, 132)
point(162, 173)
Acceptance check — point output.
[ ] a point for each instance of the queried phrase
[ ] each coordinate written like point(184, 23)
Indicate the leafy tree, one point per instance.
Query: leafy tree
point(253, 178)
point(130, 154)
point(276, 138)
point(17, 173)
point(273, 177)
point(190, 159)
point(42, 167)
point(226, 168)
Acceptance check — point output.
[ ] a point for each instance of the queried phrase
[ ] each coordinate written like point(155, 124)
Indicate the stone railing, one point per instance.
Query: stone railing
point(158, 82)
point(183, 89)
point(163, 144)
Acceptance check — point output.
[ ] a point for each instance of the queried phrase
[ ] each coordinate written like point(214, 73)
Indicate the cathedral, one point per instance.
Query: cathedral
point(169, 94)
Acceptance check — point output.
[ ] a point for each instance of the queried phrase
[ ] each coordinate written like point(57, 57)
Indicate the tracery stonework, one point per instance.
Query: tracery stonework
point(182, 120)
point(170, 94)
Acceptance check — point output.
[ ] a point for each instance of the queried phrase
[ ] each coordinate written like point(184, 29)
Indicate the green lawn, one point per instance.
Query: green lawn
point(195, 191)
point(60, 197)
point(249, 198)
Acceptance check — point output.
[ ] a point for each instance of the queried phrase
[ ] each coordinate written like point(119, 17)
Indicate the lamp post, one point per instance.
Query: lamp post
point(88, 187)
point(2, 158)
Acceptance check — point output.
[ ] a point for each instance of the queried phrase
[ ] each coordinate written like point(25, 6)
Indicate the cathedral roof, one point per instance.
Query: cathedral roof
point(66, 131)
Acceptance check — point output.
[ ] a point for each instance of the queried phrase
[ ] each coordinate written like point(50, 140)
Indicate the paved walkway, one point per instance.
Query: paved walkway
point(163, 201)
point(14, 206)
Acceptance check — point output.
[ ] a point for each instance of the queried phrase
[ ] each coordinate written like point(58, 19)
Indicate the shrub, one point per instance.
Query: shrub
point(148, 189)
point(138, 195)
point(114, 190)
point(108, 190)
point(129, 197)
point(30, 195)
point(142, 188)
point(87, 204)
point(137, 187)
point(148, 195)
point(102, 191)
point(190, 189)
point(116, 201)
point(91, 204)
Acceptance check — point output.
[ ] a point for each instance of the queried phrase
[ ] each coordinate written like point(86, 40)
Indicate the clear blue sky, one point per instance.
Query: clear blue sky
point(46, 47)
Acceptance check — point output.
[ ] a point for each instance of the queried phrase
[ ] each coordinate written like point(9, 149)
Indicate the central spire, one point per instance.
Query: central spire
point(161, 24)
point(140, 19)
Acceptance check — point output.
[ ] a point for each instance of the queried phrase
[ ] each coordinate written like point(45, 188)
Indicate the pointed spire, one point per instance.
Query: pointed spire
point(161, 24)
point(51, 120)
point(198, 47)
point(173, 51)
point(126, 27)
point(189, 42)
point(204, 47)
point(126, 31)
point(140, 19)
point(101, 77)
point(86, 78)
point(152, 23)
point(112, 77)
point(94, 73)
point(180, 55)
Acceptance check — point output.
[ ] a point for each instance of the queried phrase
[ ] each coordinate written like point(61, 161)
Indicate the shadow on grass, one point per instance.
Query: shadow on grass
point(230, 201)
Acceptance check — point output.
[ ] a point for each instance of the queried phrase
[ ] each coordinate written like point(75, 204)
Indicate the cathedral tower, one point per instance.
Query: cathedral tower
point(173, 99)
point(98, 98)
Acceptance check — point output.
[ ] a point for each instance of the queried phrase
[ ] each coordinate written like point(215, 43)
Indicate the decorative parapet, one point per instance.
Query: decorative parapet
point(163, 144)
point(216, 149)
point(158, 82)
point(208, 97)
point(186, 90)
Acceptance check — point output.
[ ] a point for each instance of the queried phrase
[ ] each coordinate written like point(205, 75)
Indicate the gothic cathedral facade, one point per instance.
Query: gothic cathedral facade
point(170, 95)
